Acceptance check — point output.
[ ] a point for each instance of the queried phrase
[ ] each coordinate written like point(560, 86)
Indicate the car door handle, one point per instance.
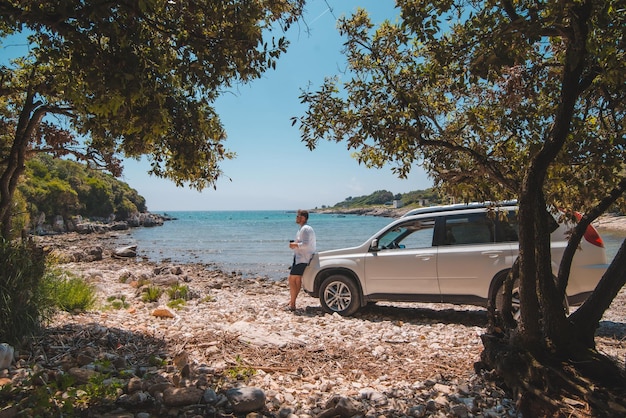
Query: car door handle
point(425, 257)
point(492, 254)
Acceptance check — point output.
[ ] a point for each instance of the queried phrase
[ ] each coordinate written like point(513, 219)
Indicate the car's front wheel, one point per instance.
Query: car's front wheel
point(340, 294)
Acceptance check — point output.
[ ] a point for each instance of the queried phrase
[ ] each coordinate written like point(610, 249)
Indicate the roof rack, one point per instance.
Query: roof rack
point(460, 206)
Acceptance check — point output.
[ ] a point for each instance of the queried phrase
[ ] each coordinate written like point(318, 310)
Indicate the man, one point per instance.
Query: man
point(303, 249)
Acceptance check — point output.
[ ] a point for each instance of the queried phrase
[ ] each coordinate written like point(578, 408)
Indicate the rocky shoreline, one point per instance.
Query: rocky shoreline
point(231, 350)
point(384, 211)
point(60, 225)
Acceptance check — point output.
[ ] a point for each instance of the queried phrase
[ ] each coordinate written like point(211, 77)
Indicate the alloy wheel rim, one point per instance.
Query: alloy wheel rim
point(337, 296)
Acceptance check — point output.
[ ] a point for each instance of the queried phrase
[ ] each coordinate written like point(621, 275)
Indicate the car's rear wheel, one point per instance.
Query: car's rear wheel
point(340, 294)
point(499, 299)
point(515, 301)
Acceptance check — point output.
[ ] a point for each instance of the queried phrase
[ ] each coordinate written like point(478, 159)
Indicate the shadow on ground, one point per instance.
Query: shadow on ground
point(414, 315)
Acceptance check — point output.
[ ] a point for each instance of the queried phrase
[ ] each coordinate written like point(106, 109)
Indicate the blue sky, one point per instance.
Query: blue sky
point(273, 168)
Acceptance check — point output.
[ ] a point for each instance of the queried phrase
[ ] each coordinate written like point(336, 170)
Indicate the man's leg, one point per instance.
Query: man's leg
point(295, 283)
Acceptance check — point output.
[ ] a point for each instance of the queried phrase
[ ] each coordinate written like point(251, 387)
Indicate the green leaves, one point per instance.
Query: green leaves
point(129, 79)
point(124, 74)
point(473, 90)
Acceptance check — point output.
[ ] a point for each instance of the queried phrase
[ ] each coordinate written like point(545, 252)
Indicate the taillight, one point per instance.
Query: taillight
point(591, 235)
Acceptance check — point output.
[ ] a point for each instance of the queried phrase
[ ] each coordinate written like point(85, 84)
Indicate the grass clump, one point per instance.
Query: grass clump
point(152, 294)
point(118, 302)
point(240, 371)
point(208, 299)
point(177, 291)
point(176, 303)
point(179, 295)
point(71, 293)
point(32, 289)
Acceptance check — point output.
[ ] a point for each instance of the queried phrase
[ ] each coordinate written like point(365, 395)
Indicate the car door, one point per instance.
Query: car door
point(471, 256)
point(405, 261)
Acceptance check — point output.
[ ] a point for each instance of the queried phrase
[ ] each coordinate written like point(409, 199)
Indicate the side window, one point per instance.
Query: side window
point(409, 235)
point(508, 227)
point(475, 228)
point(420, 238)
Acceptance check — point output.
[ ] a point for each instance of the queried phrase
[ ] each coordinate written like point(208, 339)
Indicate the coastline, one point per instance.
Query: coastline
point(387, 212)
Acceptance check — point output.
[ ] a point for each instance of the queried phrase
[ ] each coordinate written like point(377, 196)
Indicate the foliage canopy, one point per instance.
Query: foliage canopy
point(104, 80)
point(472, 92)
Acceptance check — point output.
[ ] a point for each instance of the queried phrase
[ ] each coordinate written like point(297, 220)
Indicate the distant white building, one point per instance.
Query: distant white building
point(397, 203)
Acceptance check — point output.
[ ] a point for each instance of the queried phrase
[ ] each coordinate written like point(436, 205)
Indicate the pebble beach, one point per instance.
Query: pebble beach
point(232, 350)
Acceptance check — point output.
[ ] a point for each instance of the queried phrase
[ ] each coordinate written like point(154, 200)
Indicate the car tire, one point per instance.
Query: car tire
point(499, 298)
point(339, 294)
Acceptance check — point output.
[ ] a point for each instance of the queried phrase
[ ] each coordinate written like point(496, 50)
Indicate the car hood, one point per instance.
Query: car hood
point(343, 251)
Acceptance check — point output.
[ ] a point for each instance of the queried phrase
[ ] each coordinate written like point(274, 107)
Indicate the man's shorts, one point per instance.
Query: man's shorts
point(298, 269)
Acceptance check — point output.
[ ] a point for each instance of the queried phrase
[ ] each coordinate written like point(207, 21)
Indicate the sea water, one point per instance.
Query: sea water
point(251, 243)
point(256, 243)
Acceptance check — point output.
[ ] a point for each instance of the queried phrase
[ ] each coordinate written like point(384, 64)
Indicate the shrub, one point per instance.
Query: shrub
point(24, 300)
point(70, 293)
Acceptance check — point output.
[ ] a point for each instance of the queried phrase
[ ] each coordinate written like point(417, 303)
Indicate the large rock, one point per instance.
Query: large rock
point(6, 355)
point(339, 406)
point(119, 226)
point(82, 375)
point(145, 219)
point(91, 227)
point(261, 336)
point(58, 224)
point(126, 252)
point(163, 312)
point(244, 400)
point(92, 253)
point(182, 396)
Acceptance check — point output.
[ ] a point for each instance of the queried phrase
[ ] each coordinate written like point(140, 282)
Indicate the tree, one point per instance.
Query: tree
point(108, 79)
point(501, 100)
point(67, 188)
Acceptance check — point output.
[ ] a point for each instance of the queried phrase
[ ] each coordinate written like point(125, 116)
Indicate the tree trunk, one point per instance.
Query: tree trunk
point(579, 231)
point(30, 118)
point(587, 317)
point(8, 184)
point(529, 328)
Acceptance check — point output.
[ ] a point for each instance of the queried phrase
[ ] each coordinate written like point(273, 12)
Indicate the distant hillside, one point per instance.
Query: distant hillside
point(54, 187)
point(383, 197)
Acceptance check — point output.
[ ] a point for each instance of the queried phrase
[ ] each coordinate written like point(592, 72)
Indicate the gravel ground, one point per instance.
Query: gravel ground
point(401, 359)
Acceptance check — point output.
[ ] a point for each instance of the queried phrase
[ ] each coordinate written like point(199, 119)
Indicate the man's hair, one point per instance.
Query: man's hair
point(304, 213)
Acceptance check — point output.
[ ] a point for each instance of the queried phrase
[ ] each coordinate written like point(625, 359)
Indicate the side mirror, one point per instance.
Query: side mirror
point(374, 245)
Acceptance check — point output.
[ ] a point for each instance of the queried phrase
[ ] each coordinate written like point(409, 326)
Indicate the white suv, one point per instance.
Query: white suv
point(457, 254)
